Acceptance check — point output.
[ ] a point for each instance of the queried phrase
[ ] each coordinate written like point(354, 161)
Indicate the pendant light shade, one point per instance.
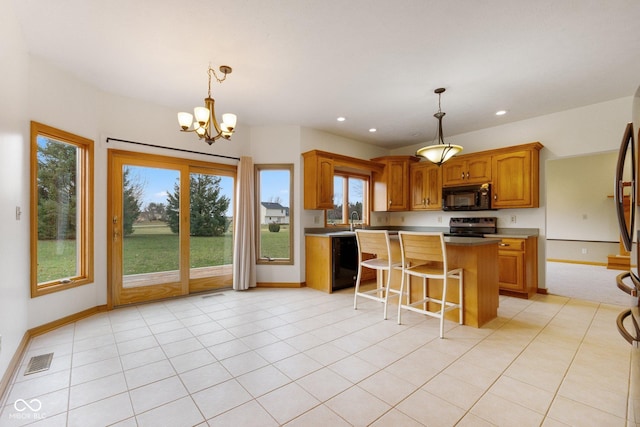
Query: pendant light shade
point(439, 152)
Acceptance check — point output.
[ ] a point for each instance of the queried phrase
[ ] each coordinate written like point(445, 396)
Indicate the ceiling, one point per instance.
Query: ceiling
point(375, 62)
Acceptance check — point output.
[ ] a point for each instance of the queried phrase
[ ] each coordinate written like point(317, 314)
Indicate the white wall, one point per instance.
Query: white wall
point(14, 179)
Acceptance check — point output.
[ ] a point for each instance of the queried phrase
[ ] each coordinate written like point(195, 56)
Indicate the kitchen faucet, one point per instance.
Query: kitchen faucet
point(352, 227)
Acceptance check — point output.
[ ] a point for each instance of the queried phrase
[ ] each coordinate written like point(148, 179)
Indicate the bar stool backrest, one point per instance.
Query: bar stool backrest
point(374, 242)
point(423, 246)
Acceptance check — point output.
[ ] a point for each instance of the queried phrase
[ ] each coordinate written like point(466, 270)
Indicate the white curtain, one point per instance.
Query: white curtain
point(244, 248)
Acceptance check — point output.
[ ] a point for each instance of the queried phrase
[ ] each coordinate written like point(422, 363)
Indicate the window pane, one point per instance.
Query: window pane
point(356, 199)
point(57, 214)
point(274, 211)
point(336, 215)
point(211, 217)
point(150, 225)
point(61, 210)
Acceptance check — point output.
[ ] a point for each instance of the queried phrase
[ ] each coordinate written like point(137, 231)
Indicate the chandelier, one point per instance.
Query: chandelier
point(205, 123)
point(439, 152)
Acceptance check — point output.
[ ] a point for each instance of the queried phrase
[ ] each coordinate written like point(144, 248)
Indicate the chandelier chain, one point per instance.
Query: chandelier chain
point(213, 72)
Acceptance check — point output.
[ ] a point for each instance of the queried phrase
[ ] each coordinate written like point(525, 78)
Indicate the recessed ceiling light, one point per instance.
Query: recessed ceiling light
point(373, 130)
point(341, 119)
point(501, 112)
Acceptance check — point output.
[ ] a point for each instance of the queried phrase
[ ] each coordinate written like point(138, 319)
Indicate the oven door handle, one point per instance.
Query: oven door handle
point(624, 287)
point(634, 341)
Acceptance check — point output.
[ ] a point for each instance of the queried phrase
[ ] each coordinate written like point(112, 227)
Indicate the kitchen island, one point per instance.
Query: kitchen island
point(477, 256)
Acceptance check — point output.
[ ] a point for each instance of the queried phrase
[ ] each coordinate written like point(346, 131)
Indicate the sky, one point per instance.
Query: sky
point(159, 182)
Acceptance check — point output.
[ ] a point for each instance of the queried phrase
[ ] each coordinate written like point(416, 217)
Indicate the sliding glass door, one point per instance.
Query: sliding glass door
point(170, 227)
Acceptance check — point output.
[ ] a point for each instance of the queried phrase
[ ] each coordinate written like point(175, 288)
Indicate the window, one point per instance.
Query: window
point(61, 210)
point(350, 198)
point(274, 214)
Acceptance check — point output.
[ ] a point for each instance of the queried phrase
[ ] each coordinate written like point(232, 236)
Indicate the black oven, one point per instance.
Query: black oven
point(467, 198)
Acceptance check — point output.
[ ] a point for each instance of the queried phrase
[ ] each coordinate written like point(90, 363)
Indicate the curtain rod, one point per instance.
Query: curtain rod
point(172, 148)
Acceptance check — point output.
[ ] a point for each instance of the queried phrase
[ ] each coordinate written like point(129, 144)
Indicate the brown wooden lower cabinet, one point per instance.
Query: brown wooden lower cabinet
point(518, 267)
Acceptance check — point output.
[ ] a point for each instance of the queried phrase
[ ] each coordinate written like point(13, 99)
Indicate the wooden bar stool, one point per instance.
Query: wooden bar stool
point(424, 255)
point(375, 242)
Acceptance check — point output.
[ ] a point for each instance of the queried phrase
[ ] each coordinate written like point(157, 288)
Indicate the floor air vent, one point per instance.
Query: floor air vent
point(39, 363)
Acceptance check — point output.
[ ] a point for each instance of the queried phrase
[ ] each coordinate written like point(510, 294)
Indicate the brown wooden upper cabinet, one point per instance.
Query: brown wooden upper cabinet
point(426, 186)
point(318, 181)
point(319, 170)
point(516, 177)
point(466, 169)
point(391, 185)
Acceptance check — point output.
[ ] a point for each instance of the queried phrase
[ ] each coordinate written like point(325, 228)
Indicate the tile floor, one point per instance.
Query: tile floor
point(299, 357)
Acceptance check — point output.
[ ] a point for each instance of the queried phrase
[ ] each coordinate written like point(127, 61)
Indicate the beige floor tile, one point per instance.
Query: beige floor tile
point(277, 351)
point(205, 377)
point(318, 416)
point(587, 391)
point(454, 390)
point(387, 387)
point(181, 412)
point(429, 409)
point(577, 414)
point(142, 357)
point(156, 394)
point(353, 368)
point(95, 390)
point(288, 402)
point(250, 414)
point(101, 413)
point(243, 363)
point(324, 384)
point(357, 406)
point(146, 374)
point(505, 373)
point(137, 344)
point(502, 412)
point(522, 393)
point(181, 347)
point(259, 340)
point(220, 398)
point(326, 354)
point(263, 380)
point(297, 366)
point(395, 418)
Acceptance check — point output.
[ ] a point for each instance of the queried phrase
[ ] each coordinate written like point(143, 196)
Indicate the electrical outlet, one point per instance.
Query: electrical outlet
point(513, 219)
point(401, 219)
point(584, 251)
point(316, 219)
point(439, 219)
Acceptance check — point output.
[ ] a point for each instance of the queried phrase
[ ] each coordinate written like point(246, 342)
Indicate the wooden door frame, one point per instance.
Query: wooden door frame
point(114, 183)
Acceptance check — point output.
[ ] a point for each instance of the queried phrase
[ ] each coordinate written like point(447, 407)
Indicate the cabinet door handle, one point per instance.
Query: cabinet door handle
point(467, 175)
point(389, 202)
point(462, 176)
point(424, 202)
point(428, 202)
point(504, 244)
point(495, 197)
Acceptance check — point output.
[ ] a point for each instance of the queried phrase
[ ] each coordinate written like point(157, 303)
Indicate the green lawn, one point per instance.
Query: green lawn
point(154, 247)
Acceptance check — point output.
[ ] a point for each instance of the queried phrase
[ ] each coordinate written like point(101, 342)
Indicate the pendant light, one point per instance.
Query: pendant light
point(439, 152)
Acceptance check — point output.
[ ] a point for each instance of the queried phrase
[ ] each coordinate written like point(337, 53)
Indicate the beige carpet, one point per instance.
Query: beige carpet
point(589, 282)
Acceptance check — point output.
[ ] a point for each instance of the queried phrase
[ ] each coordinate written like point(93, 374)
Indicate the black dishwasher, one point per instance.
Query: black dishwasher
point(344, 262)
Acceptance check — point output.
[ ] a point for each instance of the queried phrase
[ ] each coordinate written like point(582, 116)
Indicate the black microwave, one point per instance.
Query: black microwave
point(467, 198)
